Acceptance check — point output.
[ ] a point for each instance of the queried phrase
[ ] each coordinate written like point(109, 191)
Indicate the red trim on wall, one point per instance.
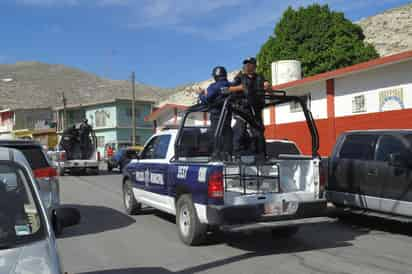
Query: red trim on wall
point(272, 115)
point(330, 99)
point(351, 69)
point(298, 132)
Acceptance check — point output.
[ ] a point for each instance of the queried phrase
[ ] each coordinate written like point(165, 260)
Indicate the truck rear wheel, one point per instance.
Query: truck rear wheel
point(284, 232)
point(191, 230)
point(131, 206)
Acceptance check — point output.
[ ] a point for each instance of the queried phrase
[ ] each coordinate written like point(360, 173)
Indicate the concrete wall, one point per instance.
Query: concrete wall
point(387, 93)
point(317, 92)
point(374, 85)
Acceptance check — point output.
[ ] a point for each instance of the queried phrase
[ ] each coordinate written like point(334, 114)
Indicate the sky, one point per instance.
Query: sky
point(166, 42)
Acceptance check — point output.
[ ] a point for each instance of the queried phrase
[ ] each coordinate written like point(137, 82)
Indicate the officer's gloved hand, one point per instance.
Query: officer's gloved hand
point(225, 90)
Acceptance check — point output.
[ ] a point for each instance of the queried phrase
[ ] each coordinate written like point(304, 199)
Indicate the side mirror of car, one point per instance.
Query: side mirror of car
point(65, 217)
point(397, 160)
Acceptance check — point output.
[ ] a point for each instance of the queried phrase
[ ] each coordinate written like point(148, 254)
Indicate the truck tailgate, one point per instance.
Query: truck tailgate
point(295, 179)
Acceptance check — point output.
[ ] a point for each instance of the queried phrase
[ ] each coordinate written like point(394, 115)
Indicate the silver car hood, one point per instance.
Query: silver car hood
point(36, 258)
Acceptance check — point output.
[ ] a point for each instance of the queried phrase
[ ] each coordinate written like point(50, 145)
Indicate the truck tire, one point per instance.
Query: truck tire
point(191, 231)
point(284, 232)
point(131, 206)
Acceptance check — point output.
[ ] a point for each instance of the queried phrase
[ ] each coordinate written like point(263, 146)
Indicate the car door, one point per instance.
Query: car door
point(349, 170)
point(155, 164)
point(141, 168)
point(396, 194)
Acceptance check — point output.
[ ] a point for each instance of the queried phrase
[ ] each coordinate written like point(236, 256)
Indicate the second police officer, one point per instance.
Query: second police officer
point(213, 96)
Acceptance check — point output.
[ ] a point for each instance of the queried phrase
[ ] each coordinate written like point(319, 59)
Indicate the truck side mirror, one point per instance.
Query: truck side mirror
point(397, 160)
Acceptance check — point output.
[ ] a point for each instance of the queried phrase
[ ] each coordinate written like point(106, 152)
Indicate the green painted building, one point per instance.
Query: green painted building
point(111, 120)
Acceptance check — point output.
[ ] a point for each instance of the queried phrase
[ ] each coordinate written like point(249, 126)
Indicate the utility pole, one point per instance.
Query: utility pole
point(64, 111)
point(133, 110)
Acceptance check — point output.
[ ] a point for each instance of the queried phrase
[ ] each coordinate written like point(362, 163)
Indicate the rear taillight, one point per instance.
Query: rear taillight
point(62, 155)
point(98, 156)
point(46, 172)
point(215, 185)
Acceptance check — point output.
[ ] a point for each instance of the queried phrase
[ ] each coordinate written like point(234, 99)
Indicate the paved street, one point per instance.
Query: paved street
point(107, 241)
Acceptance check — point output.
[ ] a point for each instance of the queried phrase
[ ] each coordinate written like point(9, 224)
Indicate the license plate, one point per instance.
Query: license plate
point(273, 209)
point(281, 208)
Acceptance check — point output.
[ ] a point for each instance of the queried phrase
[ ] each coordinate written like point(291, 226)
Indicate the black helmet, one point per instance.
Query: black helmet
point(219, 73)
point(249, 60)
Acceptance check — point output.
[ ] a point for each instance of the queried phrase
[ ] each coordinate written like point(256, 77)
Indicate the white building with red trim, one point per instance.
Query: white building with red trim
point(372, 95)
point(170, 116)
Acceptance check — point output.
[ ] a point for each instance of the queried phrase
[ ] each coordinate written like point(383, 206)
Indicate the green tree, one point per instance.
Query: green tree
point(321, 39)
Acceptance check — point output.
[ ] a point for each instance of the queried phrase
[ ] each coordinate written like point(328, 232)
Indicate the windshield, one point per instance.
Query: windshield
point(19, 212)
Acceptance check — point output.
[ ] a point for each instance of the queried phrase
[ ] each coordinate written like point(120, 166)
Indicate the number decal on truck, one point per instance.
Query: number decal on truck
point(182, 172)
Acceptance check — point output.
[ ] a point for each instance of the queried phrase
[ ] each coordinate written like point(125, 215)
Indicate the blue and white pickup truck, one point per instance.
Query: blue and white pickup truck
point(177, 173)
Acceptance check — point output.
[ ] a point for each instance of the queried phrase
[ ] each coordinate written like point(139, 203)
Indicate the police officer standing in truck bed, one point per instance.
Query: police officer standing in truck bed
point(252, 86)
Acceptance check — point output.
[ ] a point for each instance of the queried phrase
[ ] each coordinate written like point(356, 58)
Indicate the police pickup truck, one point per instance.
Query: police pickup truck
point(180, 172)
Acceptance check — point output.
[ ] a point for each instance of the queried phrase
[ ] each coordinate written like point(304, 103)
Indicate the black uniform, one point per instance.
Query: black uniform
point(85, 143)
point(252, 103)
point(68, 139)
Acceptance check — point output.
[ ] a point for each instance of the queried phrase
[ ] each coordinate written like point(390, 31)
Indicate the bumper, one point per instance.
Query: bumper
point(253, 216)
point(80, 164)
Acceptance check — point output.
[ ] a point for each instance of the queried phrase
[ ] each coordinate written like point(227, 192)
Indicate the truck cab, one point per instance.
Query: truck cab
point(179, 172)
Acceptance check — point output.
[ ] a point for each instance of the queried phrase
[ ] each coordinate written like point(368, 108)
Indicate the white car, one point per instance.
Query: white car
point(27, 241)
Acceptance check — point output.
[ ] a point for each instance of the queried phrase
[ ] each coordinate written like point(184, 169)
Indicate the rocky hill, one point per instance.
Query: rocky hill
point(187, 95)
point(40, 85)
point(391, 31)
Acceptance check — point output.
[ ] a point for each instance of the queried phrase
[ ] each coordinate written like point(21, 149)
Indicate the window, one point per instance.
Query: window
point(20, 217)
point(388, 145)
point(196, 142)
point(100, 118)
point(129, 113)
point(358, 104)
point(157, 148)
point(358, 147)
point(296, 107)
point(100, 141)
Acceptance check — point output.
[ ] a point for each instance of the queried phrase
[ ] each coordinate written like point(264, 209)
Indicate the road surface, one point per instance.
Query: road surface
point(110, 242)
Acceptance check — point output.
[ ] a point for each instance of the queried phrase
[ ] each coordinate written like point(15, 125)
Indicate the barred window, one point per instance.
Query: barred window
point(100, 118)
point(296, 107)
point(358, 104)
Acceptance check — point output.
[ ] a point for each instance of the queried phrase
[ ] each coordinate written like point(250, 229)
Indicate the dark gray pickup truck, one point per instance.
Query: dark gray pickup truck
point(372, 171)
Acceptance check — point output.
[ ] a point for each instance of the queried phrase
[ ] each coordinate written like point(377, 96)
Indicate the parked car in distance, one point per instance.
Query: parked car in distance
point(122, 157)
point(27, 241)
point(112, 147)
point(372, 171)
point(44, 171)
point(275, 147)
